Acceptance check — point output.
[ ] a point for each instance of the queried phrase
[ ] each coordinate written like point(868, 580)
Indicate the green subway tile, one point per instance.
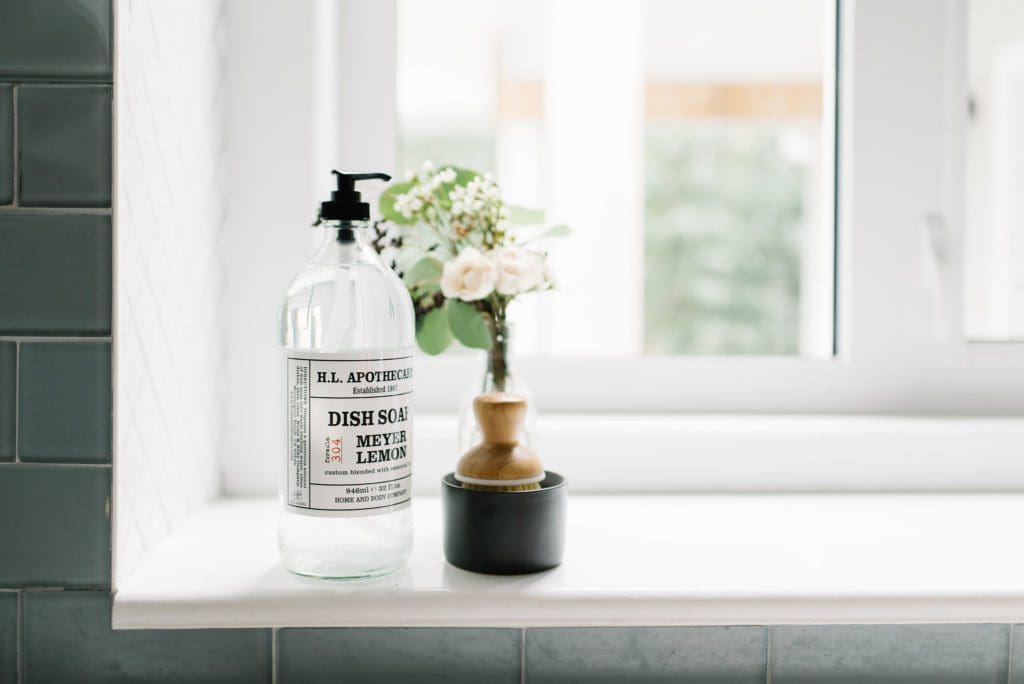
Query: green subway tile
point(890, 654)
point(54, 526)
point(6, 144)
point(55, 274)
point(647, 654)
point(68, 639)
point(8, 410)
point(64, 146)
point(56, 39)
point(8, 636)
point(1017, 655)
point(65, 402)
point(390, 656)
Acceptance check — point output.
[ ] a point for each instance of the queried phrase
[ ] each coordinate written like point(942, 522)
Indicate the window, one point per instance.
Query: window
point(897, 261)
point(692, 153)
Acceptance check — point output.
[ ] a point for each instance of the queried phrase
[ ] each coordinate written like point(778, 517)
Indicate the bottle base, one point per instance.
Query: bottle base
point(345, 548)
point(316, 566)
point(340, 577)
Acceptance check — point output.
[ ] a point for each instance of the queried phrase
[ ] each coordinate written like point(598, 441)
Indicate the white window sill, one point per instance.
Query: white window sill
point(631, 560)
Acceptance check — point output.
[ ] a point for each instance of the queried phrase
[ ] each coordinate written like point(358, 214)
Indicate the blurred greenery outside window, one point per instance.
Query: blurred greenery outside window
point(732, 183)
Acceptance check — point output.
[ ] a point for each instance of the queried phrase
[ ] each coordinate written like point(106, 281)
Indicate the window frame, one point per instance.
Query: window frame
point(899, 219)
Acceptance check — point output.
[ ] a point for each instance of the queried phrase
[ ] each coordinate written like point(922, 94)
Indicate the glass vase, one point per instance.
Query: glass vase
point(498, 376)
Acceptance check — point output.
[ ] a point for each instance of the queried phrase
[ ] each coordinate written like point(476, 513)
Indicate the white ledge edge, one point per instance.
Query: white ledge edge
point(631, 561)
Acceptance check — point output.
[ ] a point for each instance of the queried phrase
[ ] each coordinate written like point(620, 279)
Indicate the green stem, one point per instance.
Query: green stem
point(497, 355)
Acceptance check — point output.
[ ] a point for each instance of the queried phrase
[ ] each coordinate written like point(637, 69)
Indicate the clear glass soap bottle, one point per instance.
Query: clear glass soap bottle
point(347, 328)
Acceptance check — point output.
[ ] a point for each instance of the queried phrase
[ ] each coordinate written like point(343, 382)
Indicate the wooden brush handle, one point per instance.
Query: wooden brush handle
point(500, 417)
point(500, 456)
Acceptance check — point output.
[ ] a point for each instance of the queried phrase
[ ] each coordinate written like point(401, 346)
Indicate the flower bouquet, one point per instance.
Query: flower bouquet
point(465, 256)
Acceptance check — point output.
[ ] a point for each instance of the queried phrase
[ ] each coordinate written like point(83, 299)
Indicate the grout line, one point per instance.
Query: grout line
point(273, 655)
point(113, 511)
point(1009, 655)
point(15, 209)
point(522, 656)
point(17, 400)
point(57, 82)
point(19, 638)
point(15, 148)
point(52, 464)
point(55, 338)
point(768, 648)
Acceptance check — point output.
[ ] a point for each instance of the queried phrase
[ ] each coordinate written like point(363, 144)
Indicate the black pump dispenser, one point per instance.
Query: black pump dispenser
point(346, 203)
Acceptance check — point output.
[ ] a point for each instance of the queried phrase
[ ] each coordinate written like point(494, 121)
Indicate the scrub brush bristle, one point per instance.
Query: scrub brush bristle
point(502, 488)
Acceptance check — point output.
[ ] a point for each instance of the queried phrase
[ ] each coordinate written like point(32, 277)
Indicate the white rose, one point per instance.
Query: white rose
point(469, 277)
point(518, 270)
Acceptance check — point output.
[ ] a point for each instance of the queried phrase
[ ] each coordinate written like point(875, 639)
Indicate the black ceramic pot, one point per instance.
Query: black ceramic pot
point(504, 533)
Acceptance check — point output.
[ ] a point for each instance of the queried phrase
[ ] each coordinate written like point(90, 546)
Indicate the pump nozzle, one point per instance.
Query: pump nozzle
point(346, 202)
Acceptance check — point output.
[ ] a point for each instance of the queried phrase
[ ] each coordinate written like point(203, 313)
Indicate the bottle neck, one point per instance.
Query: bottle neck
point(344, 241)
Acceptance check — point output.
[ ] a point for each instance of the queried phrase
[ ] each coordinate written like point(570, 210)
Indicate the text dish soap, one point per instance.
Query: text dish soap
point(348, 330)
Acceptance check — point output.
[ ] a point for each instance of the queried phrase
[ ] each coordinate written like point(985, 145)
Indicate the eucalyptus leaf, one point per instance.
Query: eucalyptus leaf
point(558, 230)
point(463, 176)
point(524, 216)
point(426, 271)
point(468, 325)
point(433, 333)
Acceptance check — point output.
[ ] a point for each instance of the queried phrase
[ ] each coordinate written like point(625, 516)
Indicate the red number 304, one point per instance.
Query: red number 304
point(333, 450)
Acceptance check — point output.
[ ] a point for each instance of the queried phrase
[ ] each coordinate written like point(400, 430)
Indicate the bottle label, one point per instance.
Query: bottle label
point(349, 432)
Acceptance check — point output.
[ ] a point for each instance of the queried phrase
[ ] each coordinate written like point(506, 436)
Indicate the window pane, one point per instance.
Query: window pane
point(994, 280)
point(688, 143)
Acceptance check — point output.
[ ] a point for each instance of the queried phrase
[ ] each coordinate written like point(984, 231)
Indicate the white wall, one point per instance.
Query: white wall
point(167, 211)
point(225, 140)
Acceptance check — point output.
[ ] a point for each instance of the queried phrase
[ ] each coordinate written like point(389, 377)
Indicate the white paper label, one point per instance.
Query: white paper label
point(349, 432)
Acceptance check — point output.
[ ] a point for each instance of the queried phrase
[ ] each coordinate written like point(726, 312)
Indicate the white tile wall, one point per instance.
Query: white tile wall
point(168, 212)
